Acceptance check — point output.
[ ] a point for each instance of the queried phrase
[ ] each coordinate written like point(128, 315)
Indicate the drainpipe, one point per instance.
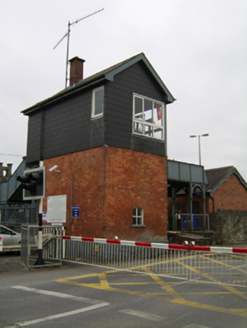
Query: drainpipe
point(173, 210)
point(212, 200)
point(71, 199)
point(191, 207)
point(204, 208)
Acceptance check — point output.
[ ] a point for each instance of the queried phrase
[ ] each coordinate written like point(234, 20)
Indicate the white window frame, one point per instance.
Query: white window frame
point(151, 125)
point(93, 103)
point(138, 217)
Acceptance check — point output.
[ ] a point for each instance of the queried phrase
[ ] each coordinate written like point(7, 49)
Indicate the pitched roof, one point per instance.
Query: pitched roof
point(104, 75)
point(217, 176)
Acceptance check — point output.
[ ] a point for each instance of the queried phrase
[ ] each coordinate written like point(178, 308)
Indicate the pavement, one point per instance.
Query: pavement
point(11, 263)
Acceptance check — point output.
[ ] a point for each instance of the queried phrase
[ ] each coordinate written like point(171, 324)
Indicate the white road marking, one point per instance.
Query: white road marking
point(59, 315)
point(193, 325)
point(144, 315)
point(96, 305)
point(56, 294)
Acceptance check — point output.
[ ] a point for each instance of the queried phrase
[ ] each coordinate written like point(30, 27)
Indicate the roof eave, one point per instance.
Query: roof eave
point(232, 171)
point(110, 76)
point(65, 93)
point(100, 78)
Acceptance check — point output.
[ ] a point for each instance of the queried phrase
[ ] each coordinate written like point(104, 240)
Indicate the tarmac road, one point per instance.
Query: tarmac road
point(76, 295)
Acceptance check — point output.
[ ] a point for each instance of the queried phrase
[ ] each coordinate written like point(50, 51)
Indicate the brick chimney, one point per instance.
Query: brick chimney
point(76, 70)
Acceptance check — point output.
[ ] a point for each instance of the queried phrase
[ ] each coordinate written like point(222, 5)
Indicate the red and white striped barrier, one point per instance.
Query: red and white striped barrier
point(187, 246)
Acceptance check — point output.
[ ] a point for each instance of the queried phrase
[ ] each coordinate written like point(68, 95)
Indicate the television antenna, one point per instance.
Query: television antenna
point(67, 34)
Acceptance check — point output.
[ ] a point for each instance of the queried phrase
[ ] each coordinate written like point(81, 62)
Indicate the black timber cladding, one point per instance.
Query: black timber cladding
point(67, 128)
point(62, 124)
point(34, 137)
point(119, 109)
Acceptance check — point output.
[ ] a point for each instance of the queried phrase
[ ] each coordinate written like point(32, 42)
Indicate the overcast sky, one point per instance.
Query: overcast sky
point(197, 47)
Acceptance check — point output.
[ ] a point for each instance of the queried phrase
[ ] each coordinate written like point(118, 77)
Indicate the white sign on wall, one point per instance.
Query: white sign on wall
point(56, 209)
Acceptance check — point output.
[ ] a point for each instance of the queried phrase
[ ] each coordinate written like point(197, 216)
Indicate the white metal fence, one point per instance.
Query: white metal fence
point(223, 265)
point(195, 263)
point(51, 245)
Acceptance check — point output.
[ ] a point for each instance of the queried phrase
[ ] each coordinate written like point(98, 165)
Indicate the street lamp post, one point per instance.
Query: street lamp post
point(203, 190)
point(199, 143)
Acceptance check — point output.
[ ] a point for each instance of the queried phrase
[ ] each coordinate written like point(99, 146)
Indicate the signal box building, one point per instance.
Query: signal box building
point(106, 135)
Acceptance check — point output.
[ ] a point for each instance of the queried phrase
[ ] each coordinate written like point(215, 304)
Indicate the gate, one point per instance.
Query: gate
point(51, 245)
point(222, 265)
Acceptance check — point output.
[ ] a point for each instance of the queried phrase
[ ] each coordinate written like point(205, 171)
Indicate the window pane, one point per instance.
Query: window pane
point(5, 232)
point(148, 130)
point(148, 111)
point(158, 133)
point(98, 102)
point(138, 108)
point(158, 112)
point(139, 211)
point(195, 208)
point(138, 127)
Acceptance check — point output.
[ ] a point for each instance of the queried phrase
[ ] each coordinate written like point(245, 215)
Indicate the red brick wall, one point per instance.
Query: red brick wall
point(76, 70)
point(107, 184)
point(232, 195)
point(86, 169)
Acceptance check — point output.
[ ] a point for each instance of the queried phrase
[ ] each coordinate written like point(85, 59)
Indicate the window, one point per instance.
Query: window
point(98, 102)
point(195, 207)
point(148, 116)
point(4, 231)
point(138, 214)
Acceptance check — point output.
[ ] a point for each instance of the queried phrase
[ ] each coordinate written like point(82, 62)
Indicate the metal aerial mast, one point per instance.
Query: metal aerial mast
point(67, 34)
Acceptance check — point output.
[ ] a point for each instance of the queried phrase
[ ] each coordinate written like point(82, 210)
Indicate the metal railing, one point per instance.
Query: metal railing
point(51, 245)
point(220, 265)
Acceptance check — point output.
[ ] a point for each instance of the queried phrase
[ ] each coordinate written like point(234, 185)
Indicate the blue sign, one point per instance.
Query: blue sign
point(75, 211)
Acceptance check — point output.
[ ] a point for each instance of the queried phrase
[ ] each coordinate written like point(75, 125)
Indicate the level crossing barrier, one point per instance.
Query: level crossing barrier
point(222, 265)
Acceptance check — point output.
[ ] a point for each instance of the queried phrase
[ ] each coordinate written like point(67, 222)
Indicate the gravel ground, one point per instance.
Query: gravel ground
point(11, 263)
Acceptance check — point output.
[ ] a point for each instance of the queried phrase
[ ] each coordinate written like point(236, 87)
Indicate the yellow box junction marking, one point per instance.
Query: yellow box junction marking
point(169, 294)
